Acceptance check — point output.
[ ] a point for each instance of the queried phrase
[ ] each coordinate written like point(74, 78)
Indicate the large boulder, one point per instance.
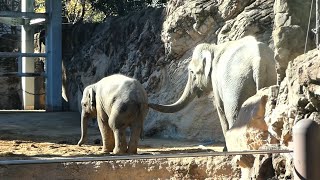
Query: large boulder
point(250, 131)
point(299, 96)
point(291, 36)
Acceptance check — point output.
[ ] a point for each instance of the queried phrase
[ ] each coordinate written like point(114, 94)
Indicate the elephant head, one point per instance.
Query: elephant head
point(199, 80)
point(88, 105)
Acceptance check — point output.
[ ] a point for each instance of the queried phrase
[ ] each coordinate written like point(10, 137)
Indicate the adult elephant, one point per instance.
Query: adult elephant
point(234, 71)
point(118, 102)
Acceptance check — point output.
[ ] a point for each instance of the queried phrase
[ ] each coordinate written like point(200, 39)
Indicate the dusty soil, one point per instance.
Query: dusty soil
point(53, 135)
point(40, 134)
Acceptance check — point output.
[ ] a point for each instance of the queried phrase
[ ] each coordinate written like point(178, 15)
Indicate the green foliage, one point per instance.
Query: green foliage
point(40, 6)
point(80, 10)
point(74, 11)
point(122, 7)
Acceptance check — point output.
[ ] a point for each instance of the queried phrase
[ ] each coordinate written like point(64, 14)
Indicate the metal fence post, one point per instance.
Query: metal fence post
point(54, 56)
point(27, 46)
point(306, 149)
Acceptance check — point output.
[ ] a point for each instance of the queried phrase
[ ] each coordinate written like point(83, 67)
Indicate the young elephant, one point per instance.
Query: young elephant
point(118, 102)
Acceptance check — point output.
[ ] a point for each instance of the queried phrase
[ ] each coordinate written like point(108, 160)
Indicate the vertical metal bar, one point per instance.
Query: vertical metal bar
point(54, 56)
point(27, 46)
point(306, 139)
point(317, 24)
point(19, 65)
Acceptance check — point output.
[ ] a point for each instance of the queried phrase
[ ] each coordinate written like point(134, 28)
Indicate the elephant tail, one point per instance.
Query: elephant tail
point(142, 114)
point(142, 134)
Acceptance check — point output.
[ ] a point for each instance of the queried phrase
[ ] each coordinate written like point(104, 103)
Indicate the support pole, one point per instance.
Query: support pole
point(306, 140)
point(317, 24)
point(27, 46)
point(53, 65)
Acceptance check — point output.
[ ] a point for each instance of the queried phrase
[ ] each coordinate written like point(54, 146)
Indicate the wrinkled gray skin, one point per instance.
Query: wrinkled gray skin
point(234, 71)
point(118, 102)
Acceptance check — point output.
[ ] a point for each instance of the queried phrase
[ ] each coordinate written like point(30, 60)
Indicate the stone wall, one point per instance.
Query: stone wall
point(291, 31)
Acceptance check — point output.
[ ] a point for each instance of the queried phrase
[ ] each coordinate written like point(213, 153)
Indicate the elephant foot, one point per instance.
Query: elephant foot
point(107, 150)
point(225, 149)
point(132, 150)
point(118, 151)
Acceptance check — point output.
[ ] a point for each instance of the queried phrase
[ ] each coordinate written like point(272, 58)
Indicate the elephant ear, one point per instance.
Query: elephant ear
point(207, 61)
point(92, 96)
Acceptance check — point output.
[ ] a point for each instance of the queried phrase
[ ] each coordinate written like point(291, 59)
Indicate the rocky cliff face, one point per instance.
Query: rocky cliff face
point(128, 45)
point(292, 35)
point(155, 47)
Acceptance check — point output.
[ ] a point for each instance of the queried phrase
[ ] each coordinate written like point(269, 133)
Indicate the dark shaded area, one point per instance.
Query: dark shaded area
point(131, 45)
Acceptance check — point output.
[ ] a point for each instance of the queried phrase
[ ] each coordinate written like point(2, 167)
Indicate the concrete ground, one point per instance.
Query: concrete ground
point(39, 124)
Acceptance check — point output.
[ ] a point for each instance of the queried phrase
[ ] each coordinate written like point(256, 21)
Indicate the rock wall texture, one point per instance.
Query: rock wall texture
point(172, 168)
point(155, 46)
point(266, 120)
point(291, 35)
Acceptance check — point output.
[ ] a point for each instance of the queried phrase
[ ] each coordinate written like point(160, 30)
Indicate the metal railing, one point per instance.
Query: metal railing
point(135, 157)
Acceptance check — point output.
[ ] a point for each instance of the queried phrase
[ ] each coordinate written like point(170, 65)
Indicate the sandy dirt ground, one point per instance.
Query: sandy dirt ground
point(41, 134)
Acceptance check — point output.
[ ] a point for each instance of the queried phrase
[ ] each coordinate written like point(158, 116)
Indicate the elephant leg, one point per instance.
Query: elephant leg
point(117, 124)
point(134, 138)
point(110, 144)
point(106, 133)
point(137, 130)
point(221, 114)
point(223, 119)
point(120, 141)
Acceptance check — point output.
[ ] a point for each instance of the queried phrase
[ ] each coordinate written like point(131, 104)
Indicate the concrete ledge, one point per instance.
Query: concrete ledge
point(164, 168)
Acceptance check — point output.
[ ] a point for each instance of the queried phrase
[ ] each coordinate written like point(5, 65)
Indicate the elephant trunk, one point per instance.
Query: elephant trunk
point(187, 96)
point(84, 128)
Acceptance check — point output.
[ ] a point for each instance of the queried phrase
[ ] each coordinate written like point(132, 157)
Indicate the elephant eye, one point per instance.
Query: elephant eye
point(191, 72)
